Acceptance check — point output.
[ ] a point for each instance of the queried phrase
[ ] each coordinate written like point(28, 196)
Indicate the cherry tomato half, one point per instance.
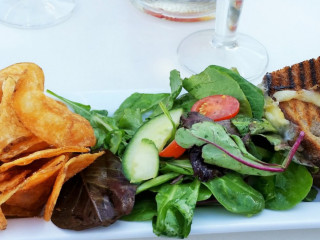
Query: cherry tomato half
point(172, 150)
point(217, 107)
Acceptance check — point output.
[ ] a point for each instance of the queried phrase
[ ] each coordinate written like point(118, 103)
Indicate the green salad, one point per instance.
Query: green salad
point(205, 142)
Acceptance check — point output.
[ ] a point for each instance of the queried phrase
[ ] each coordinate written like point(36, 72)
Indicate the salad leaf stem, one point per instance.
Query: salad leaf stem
point(265, 166)
point(166, 112)
point(293, 150)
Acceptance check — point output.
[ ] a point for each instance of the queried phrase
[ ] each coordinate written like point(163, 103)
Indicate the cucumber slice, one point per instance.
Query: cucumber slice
point(141, 158)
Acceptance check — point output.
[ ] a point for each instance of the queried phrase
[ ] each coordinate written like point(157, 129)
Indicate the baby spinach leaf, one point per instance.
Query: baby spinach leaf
point(130, 120)
point(143, 101)
point(143, 210)
point(175, 207)
point(285, 190)
point(213, 81)
point(204, 193)
point(236, 195)
point(253, 93)
point(185, 101)
point(98, 196)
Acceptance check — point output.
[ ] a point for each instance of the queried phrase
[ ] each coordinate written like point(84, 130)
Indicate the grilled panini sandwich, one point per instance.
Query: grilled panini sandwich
point(297, 89)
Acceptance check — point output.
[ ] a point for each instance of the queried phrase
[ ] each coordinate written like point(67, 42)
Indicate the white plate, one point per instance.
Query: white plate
point(207, 220)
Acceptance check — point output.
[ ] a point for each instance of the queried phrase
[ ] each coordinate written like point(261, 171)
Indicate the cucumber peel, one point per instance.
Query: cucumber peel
point(141, 158)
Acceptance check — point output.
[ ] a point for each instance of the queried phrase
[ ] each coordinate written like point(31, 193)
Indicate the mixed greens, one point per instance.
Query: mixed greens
point(243, 164)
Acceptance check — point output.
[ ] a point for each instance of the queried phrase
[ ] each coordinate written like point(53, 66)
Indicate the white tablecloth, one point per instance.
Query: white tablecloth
point(110, 45)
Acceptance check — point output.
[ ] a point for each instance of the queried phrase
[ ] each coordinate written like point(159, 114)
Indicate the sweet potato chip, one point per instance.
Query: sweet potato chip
point(37, 188)
point(44, 117)
point(12, 131)
point(47, 153)
point(3, 220)
point(72, 167)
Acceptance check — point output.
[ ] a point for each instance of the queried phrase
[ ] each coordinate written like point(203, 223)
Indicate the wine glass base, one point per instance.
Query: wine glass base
point(198, 51)
point(35, 13)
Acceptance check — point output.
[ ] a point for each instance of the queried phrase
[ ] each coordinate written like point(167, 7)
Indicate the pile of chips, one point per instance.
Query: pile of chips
point(42, 144)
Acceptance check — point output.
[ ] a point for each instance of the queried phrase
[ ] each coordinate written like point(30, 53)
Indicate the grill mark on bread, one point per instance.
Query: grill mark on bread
point(316, 87)
point(291, 81)
point(313, 72)
point(302, 75)
point(268, 80)
point(295, 72)
point(279, 80)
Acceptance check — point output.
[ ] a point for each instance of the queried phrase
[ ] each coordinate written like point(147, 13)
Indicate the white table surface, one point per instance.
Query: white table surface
point(110, 45)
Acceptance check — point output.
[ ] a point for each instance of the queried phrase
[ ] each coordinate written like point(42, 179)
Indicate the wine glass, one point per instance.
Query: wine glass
point(35, 13)
point(223, 46)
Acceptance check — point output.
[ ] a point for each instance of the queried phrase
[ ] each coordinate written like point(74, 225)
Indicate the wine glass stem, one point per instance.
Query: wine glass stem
point(227, 16)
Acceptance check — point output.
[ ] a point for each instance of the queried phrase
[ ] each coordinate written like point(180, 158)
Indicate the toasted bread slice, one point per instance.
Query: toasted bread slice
point(304, 75)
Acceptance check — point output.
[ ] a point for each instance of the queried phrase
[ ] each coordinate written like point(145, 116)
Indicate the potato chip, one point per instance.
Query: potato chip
point(31, 145)
point(16, 70)
point(3, 220)
point(44, 117)
point(5, 195)
point(11, 183)
point(47, 153)
point(72, 167)
point(37, 188)
point(37, 147)
point(12, 131)
point(52, 200)
point(12, 178)
point(38, 135)
point(80, 162)
point(14, 211)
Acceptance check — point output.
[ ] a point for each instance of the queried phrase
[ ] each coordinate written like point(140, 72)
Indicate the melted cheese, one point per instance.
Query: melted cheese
point(302, 95)
point(274, 114)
